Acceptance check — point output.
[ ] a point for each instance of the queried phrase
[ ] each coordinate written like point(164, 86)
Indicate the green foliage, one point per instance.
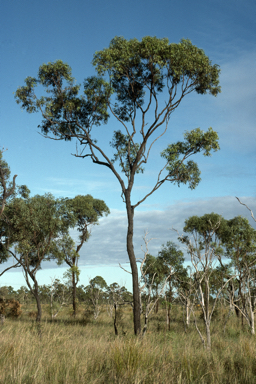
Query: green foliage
point(171, 260)
point(209, 228)
point(133, 68)
point(195, 142)
point(33, 225)
point(64, 107)
point(68, 274)
point(142, 64)
point(86, 211)
point(9, 189)
point(240, 241)
point(5, 174)
point(153, 273)
point(98, 283)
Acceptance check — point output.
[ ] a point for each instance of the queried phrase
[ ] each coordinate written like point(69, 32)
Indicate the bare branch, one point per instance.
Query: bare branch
point(247, 208)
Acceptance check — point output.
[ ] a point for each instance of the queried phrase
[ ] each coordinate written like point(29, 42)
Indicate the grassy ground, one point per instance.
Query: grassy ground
point(81, 351)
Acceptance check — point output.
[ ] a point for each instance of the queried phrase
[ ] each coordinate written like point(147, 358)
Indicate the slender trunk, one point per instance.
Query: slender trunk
point(252, 324)
point(156, 309)
point(207, 314)
point(115, 321)
point(51, 305)
point(187, 311)
point(135, 276)
point(38, 302)
point(169, 315)
point(208, 334)
point(74, 288)
point(145, 324)
point(169, 307)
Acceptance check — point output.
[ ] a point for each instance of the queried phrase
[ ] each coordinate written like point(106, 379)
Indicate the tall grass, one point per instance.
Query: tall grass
point(81, 351)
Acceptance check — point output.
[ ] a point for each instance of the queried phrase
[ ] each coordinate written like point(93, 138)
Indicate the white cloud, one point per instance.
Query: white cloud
point(107, 244)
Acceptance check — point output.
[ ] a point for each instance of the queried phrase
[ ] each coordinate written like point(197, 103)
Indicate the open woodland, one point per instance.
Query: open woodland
point(181, 323)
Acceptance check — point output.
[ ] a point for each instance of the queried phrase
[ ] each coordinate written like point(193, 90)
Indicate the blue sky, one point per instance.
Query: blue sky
point(36, 32)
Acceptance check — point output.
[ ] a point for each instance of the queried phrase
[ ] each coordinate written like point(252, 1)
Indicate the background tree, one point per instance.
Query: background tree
point(23, 295)
point(96, 289)
point(8, 191)
point(84, 211)
point(33, 227)
point(186, 294)
point(152, 276)
point(117, 296)
point(134, 68)
point(171, 262)
point(206, 252)
point(240, 243)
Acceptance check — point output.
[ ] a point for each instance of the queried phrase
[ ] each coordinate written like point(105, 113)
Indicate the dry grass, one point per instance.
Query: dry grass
point(77, 351)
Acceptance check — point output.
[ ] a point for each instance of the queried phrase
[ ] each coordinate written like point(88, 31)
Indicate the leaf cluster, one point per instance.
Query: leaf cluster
point(175, 154)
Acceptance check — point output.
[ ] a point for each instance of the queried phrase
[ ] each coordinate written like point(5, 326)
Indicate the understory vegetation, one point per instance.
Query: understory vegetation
point(84, 350)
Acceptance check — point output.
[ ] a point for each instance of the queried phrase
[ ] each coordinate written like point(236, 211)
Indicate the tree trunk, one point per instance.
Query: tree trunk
point(208, 335)
point(252, 324)
point(169, 315)
point(74, 289)
point(156, 308)
point(135, 276)
point(187, 305)
point(145, 324)
point(38, 304)
point(115, 321)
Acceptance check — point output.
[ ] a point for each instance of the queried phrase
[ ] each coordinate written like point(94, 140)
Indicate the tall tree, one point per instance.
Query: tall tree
point(133, 67)
point(84, 211)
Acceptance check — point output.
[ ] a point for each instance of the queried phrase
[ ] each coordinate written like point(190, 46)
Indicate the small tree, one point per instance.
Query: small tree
point(33, 227)
point(186, 295)
point(206, 231)
point(59, 296)
point(240, 244)
point(117, 297)
point(152, 276)
point(84, 211)
point(171, 260)
point(95, 290)
point(7, 193)
point(5, 190)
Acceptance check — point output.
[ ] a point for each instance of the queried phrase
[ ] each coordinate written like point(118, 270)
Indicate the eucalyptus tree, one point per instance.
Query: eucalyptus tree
point(84, 211)
point(153, 276)
point(134, 68)
point(205, 253)
point(30, 235)
point(171, 263)
point(96, 289)
point(240, 243)
point(117, 296)
point(8, 191)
